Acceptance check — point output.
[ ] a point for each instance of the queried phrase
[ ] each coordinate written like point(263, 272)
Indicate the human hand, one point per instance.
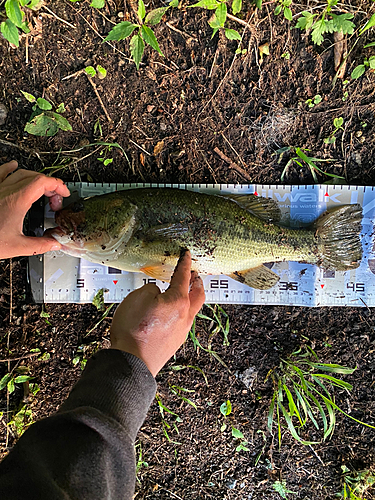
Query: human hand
point(153, 325)
point(18, 192)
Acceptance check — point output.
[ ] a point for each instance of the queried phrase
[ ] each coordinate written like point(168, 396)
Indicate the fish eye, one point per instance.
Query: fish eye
point(77, 207)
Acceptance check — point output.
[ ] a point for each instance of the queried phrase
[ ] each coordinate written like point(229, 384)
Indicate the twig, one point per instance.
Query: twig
point(77, 73)
point(232, 148)
point(317, 456)
point(140, 147)
point(234, 18)
point(233, 165)
point(99, 98)
point(58, 18)
point(30, 355)
point(170, 26)
point(12, 145)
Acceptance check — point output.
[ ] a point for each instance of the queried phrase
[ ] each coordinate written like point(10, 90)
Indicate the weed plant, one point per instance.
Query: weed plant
point(304, 393)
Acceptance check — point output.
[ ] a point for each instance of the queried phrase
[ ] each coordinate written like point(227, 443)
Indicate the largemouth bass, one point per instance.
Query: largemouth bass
point(145, 230)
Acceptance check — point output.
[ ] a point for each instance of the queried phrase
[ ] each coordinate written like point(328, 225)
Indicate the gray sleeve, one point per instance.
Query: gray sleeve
point(86, 450)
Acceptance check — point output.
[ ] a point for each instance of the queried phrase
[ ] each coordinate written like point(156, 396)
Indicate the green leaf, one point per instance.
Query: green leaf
point(236, 6)
point(10, 32)
point(32, 4)
point(13, 11)
point(372, 44)
point(4, 381)
point(62, 122)
point(278, 10)
point(28, 96)
point(320, 27)
point(43, 104)
point(173, 3)
point(258, 4)
point(288, 14)
point(226, 408)
point(342, 24)
point(97, 4)
point(221, 14)
point(22, 378)
point(334, 381)
point(137, 48)
point(236, 433)
point(102, 72)
point(90, 71)
point(358, 71)
point(60, 108)
point(232, 34)
point(337, 122)
point(370, 23)
point(305, 21)
point(42, 125)
point(206, 4)
point(141, 9)
point(372, 62)
point(11, 386)
point(291, 426)
point(150, 38)
point(121, 31)
point(25, 27)
point(107, 161)
point(155, 16)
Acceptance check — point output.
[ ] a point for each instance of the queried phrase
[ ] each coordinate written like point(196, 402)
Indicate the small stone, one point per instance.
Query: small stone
point(3, 114)
point(248, 377)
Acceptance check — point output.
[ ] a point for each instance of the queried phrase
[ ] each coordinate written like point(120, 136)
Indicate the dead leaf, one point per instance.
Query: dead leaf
point(264, 50)
point(158, 148)
point(142, 158)
point(340, 53)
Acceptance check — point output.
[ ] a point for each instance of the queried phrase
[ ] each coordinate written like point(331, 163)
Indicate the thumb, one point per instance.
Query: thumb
point(30, 245)
point(196, 294)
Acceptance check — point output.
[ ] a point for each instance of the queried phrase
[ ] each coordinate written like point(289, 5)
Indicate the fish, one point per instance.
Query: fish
point(145, 230)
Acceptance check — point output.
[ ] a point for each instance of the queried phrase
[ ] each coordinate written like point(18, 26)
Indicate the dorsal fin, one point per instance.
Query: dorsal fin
point(264, 208)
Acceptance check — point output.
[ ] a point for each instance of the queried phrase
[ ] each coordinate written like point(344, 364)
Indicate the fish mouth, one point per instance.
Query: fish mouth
point(68, 245)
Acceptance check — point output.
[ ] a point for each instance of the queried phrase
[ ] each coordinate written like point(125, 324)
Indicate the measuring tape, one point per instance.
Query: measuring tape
point(56, 277)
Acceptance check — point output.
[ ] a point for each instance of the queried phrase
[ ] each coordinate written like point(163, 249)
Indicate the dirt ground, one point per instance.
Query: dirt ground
point(201, 114)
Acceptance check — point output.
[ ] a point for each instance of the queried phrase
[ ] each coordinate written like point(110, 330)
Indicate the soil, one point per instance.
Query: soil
point(176, 120)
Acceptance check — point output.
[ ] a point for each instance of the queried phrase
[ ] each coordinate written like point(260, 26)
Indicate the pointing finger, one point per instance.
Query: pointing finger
point(181, 277)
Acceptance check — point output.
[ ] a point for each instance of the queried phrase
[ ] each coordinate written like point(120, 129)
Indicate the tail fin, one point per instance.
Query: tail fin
point(338, 233)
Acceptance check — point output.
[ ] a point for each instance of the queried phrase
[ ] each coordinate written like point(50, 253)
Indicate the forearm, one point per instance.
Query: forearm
point(85, 450)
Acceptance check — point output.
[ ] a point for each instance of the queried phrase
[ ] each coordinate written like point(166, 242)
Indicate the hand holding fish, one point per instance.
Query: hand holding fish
point(18, 192)
point(153, 325)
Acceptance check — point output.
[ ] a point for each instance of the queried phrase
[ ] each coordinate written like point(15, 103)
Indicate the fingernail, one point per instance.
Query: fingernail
point(56, 246)
point(182, 254)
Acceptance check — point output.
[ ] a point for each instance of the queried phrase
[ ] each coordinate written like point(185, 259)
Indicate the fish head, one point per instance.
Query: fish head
point(95, 226)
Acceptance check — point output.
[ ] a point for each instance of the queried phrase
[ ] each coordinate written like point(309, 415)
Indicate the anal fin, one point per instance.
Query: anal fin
point(259, 277)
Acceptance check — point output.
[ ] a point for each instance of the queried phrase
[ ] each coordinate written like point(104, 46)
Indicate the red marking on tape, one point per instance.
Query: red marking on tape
point(322, 286)
point(256, 194)
point(326, 194)
point(115, 282)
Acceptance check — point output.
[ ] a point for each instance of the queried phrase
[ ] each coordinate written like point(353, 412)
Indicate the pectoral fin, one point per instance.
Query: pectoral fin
point(259, 277)
point(264, 208)
point(166, 231)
